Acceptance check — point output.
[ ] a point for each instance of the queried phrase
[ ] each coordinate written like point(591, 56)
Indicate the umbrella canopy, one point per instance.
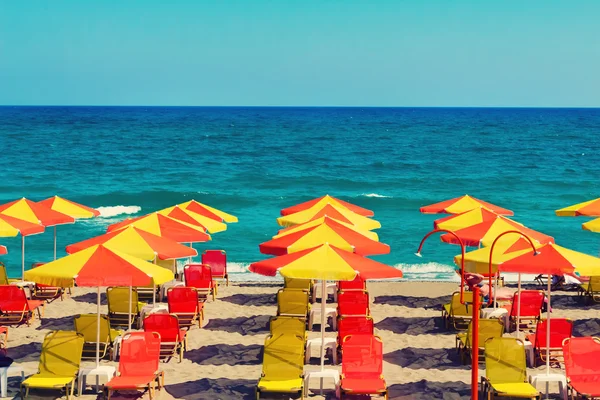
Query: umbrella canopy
point(592, 226)
point(331, 232)
point(166, 227)
point(185, 215)
point(322, 201)
point(10, 227)
point(481, 226)
point(35, 213)
point(324, 220)
point(208, 211)
point(99, 266)
point(589, 208)
point(337, 212)
point(138, 243)
point(325, 262)
point(3, 250)
point(70, 208)
point(461, 204)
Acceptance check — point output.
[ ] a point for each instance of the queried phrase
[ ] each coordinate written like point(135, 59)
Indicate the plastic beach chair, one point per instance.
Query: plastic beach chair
point(59, 363)
point(356, 284)
point(173, 339)
point(46, 292)
point(488, 328)
point(283, 365)
point(15, 306)
point(456, 314)
point(591, 289)
point(200, 276)
point(292, 302)
point(183, 302)
point(353, 302)
point(217, 261)
point(560, 329)
point(362, 366)
point(118, 306)
point(138, 365)
point(353, 325)
point(505, 369)
point(288, 325)
point(301, 284)
point(581, 366)
point(532, 302)
point(87, 325)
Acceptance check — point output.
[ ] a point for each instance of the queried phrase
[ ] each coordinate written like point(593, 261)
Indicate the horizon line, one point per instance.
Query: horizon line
point(297, 106)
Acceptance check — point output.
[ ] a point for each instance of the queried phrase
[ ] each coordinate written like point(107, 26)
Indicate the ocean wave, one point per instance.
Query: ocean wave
point(113, 211)
point(380, 196)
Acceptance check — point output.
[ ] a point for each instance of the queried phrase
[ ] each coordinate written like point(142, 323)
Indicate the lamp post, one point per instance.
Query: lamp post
point(475, 321)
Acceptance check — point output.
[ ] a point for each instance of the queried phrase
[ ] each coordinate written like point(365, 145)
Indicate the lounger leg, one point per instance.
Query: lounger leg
point(227, 279)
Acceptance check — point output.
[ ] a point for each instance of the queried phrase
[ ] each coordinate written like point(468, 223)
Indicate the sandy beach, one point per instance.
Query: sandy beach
point(224, 358)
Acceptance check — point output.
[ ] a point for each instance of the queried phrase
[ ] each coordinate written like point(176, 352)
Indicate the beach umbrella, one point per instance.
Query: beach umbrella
point(325, 220)
point(331, 232)
point(592, 226)
point(461, 204)
point(337, 212)
point(70, 208)
point(182, 214)
point(480, 227)
point(324, 262)
point(35, 213)
point(166, 227)
point(138, 243)
point(208, 211)
point(98, 266)
point(327, 199)
point(3, 250)
point(589, 208)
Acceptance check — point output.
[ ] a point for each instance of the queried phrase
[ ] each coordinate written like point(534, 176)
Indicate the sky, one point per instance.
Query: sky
point(518, 53)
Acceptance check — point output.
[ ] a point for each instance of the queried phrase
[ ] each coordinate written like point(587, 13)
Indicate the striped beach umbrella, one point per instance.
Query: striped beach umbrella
point(325, 220)
point(322, 201)
point(592, 226)
point(462, 204)
point(3, 250)
point(337, 212)
point(208, 211)
point(166, 227)
point(589, 208)
point(183, 214)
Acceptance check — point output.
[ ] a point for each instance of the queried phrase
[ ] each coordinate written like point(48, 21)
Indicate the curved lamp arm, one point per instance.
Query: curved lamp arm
point(462, 259)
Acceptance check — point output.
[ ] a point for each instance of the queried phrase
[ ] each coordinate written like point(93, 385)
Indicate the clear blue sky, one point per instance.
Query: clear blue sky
point(347, 52)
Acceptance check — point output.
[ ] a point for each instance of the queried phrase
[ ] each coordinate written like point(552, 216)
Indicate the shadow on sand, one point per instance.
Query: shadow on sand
point(263, 299)
point(208, 389)
point(586, 327)
point(425, 390)
point(254, 325)
point(414, 325)
point(91, 298)
point(414, 302)
point(226, 354)
point(415, 358)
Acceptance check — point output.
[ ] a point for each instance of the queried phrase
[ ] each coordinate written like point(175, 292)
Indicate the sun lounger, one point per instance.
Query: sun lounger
point(505, 370)
point(532, 302)
point(87, 325)
point(353, 325)
point(138, 365)
point(4, 279)
point(356, 284)
point(46, 292)
point(59, 363)
point(488, 328)
point(456, 314)
point(217, 261)
point(199, 276)
point(173, 339)
point(353, 302)
point(283, 366)
point(362, 366)
point(590, 290)
point(118, 306)
point(582, 368)
point(288, 325)
point(293, 303)
point(560, 329)
point(183, 302)
point(15, 308)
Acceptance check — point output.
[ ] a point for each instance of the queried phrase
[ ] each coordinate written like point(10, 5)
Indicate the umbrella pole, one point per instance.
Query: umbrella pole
point(129, 321)
point(190, 259)
point(323, 300)
point(548, 328)
point(496, 290)
point(22, 258)
point(54, 242)
point(153, 294)
point(98, 332)
point(519, 305)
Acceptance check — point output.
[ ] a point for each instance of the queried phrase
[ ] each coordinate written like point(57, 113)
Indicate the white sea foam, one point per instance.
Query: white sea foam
point(113, 211)
point(379, 196)
point(428, 272)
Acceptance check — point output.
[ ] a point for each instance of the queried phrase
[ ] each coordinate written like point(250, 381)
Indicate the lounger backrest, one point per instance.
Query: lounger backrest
point(353, 325)
point(362, 356)
point(356, 284)
point(531, 303)
point(488, 328)
point(3, 275)
point(87, 326)
point(457, 308)
point(505, 360)
point(140, 353)
point(291, 283)
point(284, 357)
point(560, 329)
point(594, 284)
point(182, 300)
point(216, 260)
point(166, 325)
point(118, 300)
point(581, 358)
point(197, 275)
point(61, 353)
point(288, 325)
point(292, 302)
point(353, 302)
point(13, 298)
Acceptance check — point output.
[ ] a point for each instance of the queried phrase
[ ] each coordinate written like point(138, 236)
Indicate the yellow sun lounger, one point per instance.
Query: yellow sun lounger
point(456, 314)
point(288, 325)
point(505, 370)
point(86, 324)
point(294, 303)
point(283, 365)
point(488, 328)
point(590, 289)
point(59, 363)
point(118, 306)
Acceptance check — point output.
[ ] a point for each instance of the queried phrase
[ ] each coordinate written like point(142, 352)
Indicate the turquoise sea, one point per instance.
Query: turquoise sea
point(252, 162)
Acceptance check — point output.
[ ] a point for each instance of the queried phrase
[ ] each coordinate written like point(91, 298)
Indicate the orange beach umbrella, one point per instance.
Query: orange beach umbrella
point(3, 250)
point(330, 232)
point(183, 214)
point(327, 199)
point(589, 208)
point(166, 227)
point(460, 205)
point(208, 211)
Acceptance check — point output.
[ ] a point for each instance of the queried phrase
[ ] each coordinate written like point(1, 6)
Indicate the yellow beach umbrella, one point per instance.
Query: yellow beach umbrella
point(592, 226)
point(208, 211)
point(324, 220)
point(185, 215)
point(337, 212)
point(589, 208)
